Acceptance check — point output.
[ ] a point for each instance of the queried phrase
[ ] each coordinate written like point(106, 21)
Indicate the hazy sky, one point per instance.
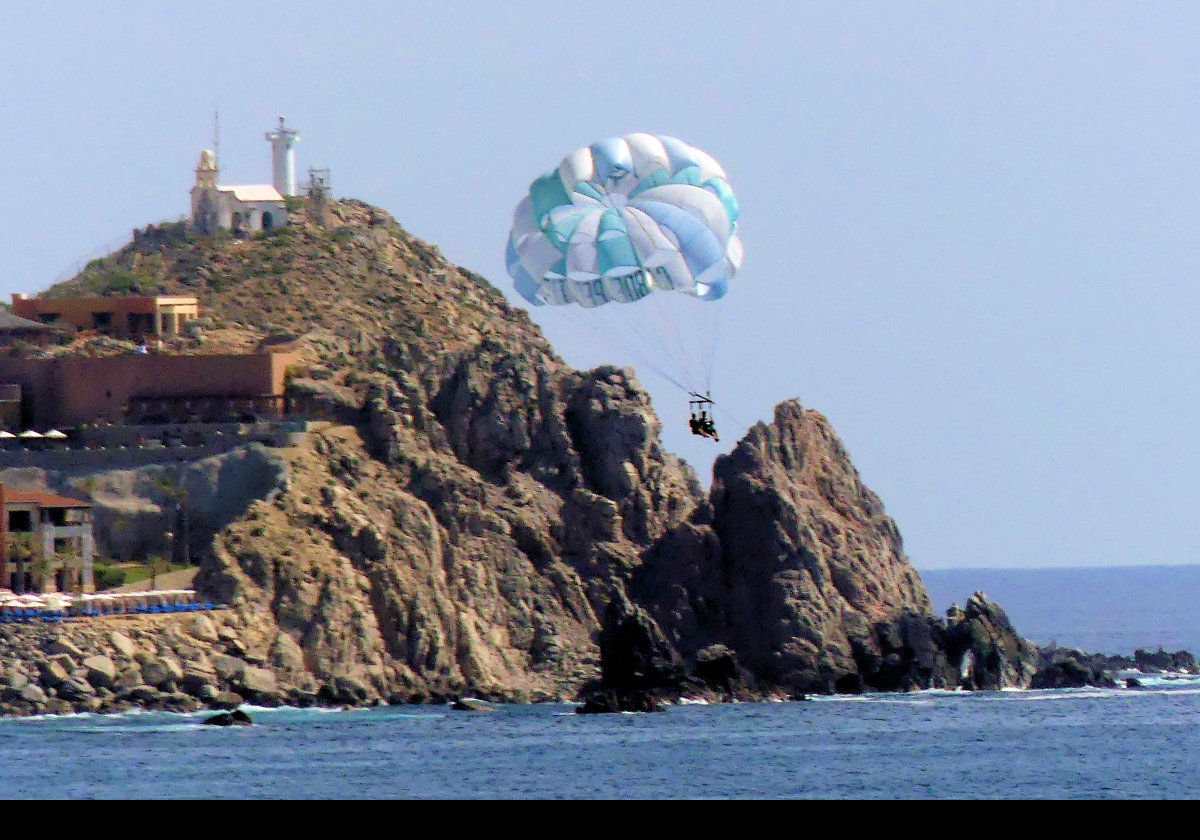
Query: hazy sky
point(970, 229)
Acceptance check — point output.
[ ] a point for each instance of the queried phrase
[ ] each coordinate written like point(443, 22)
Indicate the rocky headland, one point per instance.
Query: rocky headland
point(468, 516)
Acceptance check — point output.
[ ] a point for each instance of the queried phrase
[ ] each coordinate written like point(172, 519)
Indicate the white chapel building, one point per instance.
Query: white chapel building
point(251, 207)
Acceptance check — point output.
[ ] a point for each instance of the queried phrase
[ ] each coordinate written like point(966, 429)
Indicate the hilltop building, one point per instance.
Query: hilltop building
point(250, 207)
point(46, 542)
point(128, 317)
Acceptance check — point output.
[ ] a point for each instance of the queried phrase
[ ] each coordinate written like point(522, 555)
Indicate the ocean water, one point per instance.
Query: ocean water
point(1100, 610)
point(1088, 743)
point(1057, 744)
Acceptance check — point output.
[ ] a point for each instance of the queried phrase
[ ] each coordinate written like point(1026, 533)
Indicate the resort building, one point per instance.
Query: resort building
point(46, 542)
point(14, 328)
point(71, 391)
point(129, 317)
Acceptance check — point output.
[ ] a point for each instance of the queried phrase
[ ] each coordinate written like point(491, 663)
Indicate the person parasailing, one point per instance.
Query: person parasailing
point(700, 422)
point(640, 221)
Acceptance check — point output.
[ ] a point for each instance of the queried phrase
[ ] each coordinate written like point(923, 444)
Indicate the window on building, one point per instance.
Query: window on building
point(102, 321)
point(20, 521)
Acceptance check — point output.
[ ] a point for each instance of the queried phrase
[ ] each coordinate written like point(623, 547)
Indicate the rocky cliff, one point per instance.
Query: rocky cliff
point(473, 516)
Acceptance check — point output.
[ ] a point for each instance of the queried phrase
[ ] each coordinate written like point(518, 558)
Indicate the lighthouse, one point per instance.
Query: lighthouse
point(283, 159)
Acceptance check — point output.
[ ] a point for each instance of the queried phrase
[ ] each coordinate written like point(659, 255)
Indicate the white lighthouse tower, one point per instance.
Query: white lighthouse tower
point(283, 158)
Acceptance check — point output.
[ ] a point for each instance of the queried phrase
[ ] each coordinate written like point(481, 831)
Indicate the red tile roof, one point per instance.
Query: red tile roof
point(45, 500)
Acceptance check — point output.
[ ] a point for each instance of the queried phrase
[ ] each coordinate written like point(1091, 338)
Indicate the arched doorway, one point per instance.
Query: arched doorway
point(268, 221)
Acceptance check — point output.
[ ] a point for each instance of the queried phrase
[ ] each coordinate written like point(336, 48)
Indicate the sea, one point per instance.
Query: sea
point(1113, 610)
point(1064, 744)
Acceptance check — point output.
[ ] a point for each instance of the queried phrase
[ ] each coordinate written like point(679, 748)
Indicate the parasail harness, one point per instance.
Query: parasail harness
point(701, 422)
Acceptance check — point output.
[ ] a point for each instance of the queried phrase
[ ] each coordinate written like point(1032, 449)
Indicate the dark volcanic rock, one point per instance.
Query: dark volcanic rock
point(1068, 672)
point(796, 568)
point(234, 718)
point(611, 702)
point(717, 667)
point(1158, 661)
point(635, 655)
point(989, 652)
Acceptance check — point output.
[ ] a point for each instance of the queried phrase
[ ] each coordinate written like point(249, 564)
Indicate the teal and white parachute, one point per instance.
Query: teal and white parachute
point(623, 219)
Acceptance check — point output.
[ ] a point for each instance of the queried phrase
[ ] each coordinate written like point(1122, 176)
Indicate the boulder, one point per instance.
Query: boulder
point(196, 682)
point(128, 677)
point(227, 700)
point(101, 671)
point(141, 694)
point(234, 718)
point(65, 646)
point(68, 663)
point(122, 644)
point(612, 702)
point(1069, 673)
point(258, 681)
point(52, 672)
point(55, 706)
point(229, 668)
point(201, 627)
point(717, 667)
point(1152, 662)
point(285, 653)
point(346, 691)
point(470, 704)
point(178, 701)
point(32, 693)
point(74, 690)
point(161, 670)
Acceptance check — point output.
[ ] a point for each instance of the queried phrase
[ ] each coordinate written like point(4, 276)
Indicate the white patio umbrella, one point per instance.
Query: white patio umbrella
point(55, 434)
point(30, 434)
point(6, 435)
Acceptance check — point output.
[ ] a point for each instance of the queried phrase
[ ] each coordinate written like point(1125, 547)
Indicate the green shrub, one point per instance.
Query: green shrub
point(108, 578)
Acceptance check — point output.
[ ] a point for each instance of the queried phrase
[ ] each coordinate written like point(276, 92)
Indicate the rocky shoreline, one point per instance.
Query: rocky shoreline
point(212, 661)
point(176, 663)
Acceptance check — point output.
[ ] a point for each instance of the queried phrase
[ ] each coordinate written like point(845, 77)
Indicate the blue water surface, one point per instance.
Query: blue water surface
point(1079, 744)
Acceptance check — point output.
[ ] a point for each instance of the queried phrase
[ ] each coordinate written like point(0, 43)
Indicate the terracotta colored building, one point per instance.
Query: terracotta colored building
point(46, 542)
point(131, 317)
point(73, 390)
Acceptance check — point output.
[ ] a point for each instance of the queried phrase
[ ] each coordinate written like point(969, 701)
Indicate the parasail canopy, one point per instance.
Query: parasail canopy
point(623, 219)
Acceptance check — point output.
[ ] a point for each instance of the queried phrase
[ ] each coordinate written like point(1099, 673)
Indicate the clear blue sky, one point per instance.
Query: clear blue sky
point(970, 229)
